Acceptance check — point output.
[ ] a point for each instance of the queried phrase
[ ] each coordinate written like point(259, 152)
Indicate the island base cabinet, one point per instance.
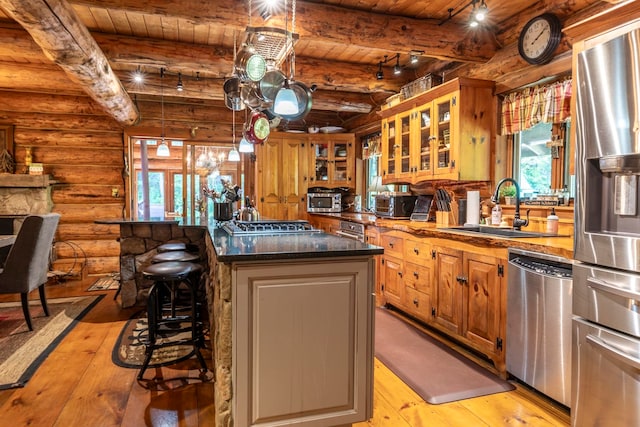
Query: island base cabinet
point(303, 342)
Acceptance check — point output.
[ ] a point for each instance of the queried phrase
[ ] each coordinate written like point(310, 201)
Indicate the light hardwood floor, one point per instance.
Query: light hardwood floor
point(78, 385)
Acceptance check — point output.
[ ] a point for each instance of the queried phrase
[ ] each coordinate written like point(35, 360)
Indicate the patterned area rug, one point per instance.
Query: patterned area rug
point(23, 351)
point(129, 351)
point(105, 283)
point(434, 371)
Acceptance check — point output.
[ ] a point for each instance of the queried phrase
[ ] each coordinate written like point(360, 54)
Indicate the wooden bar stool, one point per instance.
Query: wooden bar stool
point(169, 278)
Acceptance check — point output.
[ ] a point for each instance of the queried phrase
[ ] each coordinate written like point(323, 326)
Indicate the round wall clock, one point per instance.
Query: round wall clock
point(539, 39)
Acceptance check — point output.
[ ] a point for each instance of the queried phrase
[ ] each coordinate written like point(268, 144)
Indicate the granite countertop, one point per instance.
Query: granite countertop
point(116, 221)
point(230, 248)
point(561, 245)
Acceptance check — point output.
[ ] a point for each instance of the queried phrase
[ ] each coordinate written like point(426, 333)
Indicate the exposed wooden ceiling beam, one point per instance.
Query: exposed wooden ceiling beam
point(330, 24)
point(56, 28)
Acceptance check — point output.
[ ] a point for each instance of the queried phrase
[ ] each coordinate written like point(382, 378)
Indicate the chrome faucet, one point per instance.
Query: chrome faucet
point(517, 222)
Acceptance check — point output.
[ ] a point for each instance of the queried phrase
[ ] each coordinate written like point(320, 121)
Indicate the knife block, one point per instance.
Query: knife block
point(442, 219)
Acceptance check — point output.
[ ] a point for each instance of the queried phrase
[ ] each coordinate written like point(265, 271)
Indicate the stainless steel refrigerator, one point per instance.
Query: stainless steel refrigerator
point(606, 281)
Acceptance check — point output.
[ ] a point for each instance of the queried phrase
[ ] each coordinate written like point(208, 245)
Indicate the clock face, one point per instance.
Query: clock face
point(539, 39)
point(256, 67)
point(261, 128)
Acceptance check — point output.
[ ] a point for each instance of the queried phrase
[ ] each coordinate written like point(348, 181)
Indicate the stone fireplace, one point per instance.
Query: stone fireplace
point(22, 195)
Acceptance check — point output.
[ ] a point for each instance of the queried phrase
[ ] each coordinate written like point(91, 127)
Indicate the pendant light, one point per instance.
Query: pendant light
point(233, 156)
point(286, 101)
point(163, 148)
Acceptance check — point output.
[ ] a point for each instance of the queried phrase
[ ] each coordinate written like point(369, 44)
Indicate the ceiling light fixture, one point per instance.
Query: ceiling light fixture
point(286, 101)
point(245, 146)
point(413, 59)
point(138, 76)
point(163, 148)
point(478, 14)
point(397, 70)
point(179, 86)
point(233, 155)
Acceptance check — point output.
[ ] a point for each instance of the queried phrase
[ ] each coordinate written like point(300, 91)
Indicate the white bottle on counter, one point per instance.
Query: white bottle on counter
point(552, 222)
point(496, 215)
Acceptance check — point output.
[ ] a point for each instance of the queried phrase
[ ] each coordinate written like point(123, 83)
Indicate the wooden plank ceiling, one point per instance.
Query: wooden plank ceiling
point(340, 46)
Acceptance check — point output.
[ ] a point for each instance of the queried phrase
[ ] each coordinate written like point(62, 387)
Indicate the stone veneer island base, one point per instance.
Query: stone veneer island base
point(292, 329)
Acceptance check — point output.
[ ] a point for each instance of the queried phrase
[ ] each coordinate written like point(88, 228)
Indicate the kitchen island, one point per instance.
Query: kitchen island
point(292, 328)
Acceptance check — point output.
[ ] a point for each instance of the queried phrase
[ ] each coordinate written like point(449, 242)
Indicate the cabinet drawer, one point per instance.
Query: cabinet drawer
point(418, 303)
point(393, 245)
point(418, 277)
point(417, 251)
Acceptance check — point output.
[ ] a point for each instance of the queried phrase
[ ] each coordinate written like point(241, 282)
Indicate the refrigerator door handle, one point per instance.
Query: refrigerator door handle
point(612, 289)
point(617, 354)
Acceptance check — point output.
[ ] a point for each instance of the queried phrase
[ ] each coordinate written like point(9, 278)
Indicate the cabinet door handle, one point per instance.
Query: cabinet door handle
point(417, 251)
point(391, 244)
point(415, 274)
point(415, 302)
point(461, 279)
point(400, 273)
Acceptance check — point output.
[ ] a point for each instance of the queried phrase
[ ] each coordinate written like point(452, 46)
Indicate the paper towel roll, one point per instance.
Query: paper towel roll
point(473, 208)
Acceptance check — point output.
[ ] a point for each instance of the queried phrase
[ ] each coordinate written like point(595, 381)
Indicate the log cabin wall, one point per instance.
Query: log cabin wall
point(82, 148)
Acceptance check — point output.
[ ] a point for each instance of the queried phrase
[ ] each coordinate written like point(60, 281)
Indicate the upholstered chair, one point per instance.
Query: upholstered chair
point(27, 264)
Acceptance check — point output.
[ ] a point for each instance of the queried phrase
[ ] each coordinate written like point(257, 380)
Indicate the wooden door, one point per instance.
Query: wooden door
point(482, 295)
point(269, 177)
point(291, 179)
point(448, 289)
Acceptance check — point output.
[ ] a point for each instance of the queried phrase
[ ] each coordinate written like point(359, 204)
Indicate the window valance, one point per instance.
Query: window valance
point(523, 109)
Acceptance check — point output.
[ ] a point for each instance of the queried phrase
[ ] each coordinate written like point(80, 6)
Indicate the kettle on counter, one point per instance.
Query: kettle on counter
point(249, 213)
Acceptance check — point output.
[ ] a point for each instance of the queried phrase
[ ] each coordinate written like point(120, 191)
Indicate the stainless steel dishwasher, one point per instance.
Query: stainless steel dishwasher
point(539, 288)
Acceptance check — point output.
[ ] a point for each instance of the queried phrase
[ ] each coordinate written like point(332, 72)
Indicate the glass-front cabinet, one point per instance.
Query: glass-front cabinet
point(332, 161)
point(444, 133)
point(397, 162)
point(446, 113)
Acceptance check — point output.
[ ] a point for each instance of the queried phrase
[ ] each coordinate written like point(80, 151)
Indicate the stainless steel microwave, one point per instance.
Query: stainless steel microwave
point(395, 205)
point(324, 202)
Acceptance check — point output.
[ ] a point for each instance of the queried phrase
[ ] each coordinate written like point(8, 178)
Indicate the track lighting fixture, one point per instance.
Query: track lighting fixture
point(479, 13)
point(138, 77)
point(179, 86)
point(397, 68)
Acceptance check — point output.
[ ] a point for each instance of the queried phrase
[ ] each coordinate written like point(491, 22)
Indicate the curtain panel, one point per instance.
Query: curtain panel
point(523, 109)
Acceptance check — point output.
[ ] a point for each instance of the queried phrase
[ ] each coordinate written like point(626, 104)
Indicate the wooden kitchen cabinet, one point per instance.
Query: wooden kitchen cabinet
point(392, 269)
point(282, 177)
point(469, 298)
point(324, 223)
point(443, 133)
point(418, 278)
point(332, 160)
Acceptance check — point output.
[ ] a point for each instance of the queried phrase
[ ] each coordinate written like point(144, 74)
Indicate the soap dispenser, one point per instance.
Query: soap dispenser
point(552, 222)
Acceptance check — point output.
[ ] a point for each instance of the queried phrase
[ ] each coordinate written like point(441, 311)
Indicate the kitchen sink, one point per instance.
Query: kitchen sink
point(502, 232)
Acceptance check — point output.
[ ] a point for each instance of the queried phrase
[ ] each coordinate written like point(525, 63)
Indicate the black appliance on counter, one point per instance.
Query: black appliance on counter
point(395, 205)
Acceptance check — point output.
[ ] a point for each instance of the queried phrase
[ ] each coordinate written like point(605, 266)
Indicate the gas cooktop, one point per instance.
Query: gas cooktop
point(242, 228)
